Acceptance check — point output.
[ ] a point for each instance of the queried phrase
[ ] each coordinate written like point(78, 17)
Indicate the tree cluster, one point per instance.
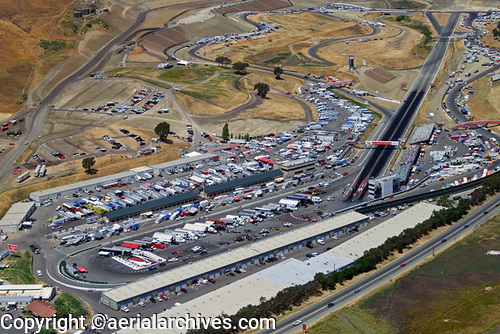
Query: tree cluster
point(262, 89)
point(162, 130)
point(240, 68)
point(222, 60)
point(296, 295)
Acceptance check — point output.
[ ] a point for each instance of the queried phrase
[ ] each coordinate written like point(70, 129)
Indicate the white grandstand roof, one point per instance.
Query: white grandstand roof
point(354, 248)
point(187, 159)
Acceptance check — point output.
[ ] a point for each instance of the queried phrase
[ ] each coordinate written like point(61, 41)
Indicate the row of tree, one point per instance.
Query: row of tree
point(241, 67)
point(294, 296)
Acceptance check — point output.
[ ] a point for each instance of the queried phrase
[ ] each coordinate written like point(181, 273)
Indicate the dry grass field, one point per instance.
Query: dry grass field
point(396, 52)
point(222, 93)
point(455, 292)
point(273, 49)
point(484, 104)
point(23, 23)
point(72, 171)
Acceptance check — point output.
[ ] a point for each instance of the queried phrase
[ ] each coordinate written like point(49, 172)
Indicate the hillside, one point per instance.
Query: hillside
point(23, 24)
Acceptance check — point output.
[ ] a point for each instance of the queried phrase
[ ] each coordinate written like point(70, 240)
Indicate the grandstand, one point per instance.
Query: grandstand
point(403, 166)
point(422, 133)
point(156, 42)
point(254, 6)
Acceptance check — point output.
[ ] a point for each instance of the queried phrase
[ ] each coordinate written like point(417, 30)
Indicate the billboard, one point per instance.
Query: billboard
point(382, 143)
point(12, 248)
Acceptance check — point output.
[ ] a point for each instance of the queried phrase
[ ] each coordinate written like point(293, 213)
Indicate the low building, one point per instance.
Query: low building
point(124, 177)
point(154, 206)
point(187, 162)
point(15, 301)
point(36, 291)
point(383, 186)
point(141, 171)
point(70, 189)
point(290, 272)
point(18, 213)
point(42, 309)
point(248, 181)
point(295, 167)
point(217, 265)
point(495, 80)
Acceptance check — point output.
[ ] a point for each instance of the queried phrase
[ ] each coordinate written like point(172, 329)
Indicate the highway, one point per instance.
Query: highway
point(402, 118)
point(385, 274)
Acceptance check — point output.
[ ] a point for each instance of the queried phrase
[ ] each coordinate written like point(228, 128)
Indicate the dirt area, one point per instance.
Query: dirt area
point(217, 96)
point(396, 52)
point(256, 128)
point(23, 23)
point(390, 90)
point(72, 171)
point(441, 18)
point(484, 103)
point(90, 93)
point(273, 49)
point(488, 39)
point(274, 107)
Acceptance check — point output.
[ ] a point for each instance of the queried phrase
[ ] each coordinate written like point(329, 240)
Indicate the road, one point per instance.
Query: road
point(312, 51)
point(385, 274)
point(402, 118)
point(34, 117)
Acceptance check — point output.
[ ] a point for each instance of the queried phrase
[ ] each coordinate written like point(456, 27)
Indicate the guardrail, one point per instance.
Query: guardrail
point(63, 271)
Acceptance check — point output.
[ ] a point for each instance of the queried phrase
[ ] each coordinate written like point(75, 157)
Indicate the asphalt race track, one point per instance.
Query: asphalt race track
point(404, 115)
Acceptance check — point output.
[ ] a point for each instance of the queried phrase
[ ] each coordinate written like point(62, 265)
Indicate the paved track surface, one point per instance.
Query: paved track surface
point(404, 115)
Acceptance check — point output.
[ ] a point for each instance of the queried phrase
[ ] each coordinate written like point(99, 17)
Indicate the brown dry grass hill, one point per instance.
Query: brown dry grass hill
point(22, 24)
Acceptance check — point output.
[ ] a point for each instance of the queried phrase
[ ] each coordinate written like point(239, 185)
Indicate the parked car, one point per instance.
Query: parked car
point(125, 309)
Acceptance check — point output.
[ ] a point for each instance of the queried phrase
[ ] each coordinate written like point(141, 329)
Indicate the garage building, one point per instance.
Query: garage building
point(18, 213)
point(214, 266)
point(248, 181)
point(154, 206)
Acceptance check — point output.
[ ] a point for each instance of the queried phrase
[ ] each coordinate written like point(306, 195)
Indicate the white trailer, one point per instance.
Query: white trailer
point(163, 237)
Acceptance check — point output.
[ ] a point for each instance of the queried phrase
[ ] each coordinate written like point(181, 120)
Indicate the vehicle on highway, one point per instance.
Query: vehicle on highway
point(485, 212)
point(297, 322)
point(330, 304)
point(443, 240)
point(357, 290)
point(466, 225)
point(403, 264)
point(39, 273)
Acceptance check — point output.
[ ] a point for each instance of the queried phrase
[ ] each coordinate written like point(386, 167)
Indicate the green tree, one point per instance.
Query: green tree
point(262, 89)
point(278, 71)
point(222, 60)
point(62, 308)
point(240, 67)
point(88, 164)
point(445, 201)
point(162, 130)
point(225, 132)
